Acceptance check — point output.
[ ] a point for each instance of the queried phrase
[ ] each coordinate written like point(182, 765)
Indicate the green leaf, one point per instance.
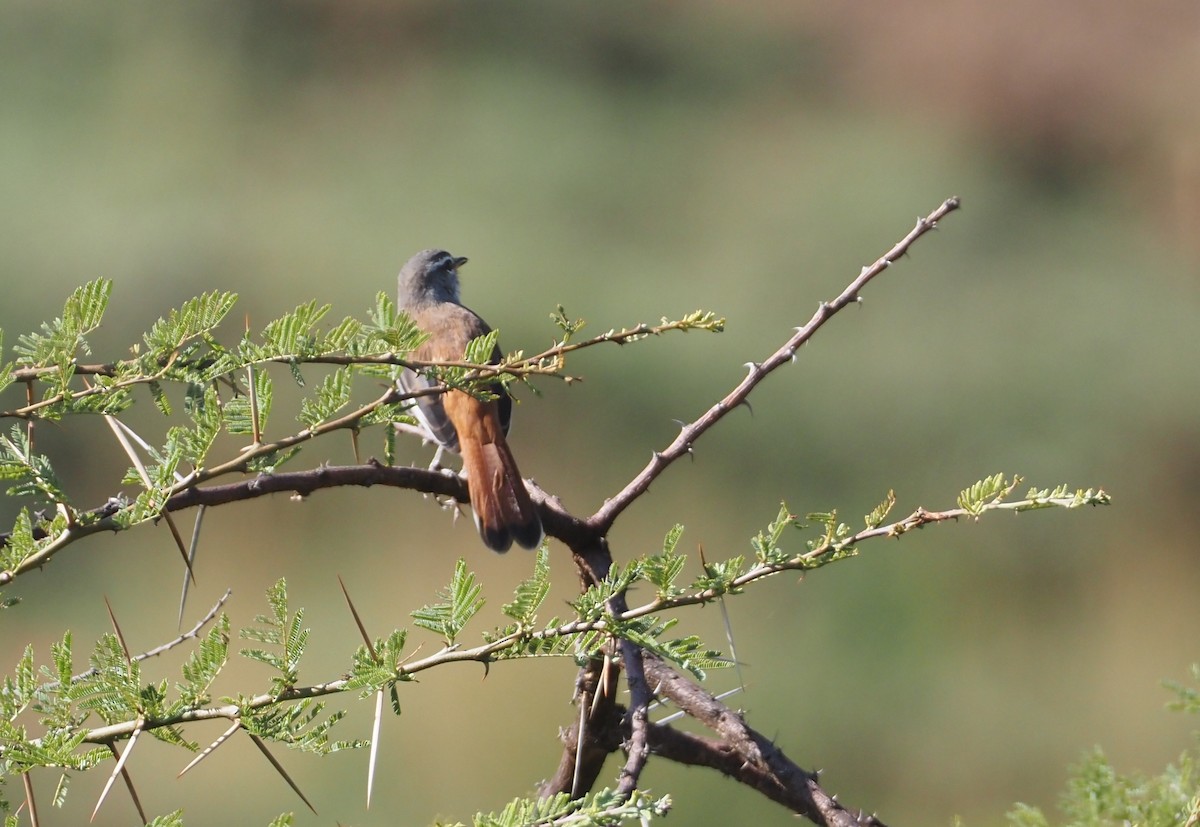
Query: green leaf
point(21, 543)
point(719, 576)
point(160, 397)
point(766, 543)
point(460, 602)
point(481, 349)
point(104, 399)
point(283, 631)
point(331, 396)
point(988, 489)
point(6, 377)
point(1061, 497)
point(686, 652)
point(1188, 697)
point(62, 339)
point(372, 672)
point(567, 325)
point(299, 727)
point(269, 462)
point(195, 318)
point(602, 809)
point(236, 414)
point(204, 664)
point(292, 333)
point(31, 473)
point(389, 446)
point(390, 331)
point(593, 603)
point(60, 653)
point(263, 393)
point(662, 570)
point(834, 533)
point(17, 691)
point(1024, 815)
point(192, 445)
point(531, 593)
point(342, 336)
point(243, 412)
point(113, 689)
point(880, 512)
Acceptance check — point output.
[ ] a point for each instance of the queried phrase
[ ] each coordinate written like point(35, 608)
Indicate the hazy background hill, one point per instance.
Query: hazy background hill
point(630, 161)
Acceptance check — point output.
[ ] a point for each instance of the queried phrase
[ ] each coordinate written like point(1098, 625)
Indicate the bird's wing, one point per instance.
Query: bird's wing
point(451, 327)
point(429, 410)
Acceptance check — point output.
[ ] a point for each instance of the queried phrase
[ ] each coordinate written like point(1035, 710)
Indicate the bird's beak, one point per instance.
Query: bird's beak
point(459, 262)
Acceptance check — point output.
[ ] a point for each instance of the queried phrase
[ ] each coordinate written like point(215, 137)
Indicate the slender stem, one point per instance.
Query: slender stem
point(603, 519)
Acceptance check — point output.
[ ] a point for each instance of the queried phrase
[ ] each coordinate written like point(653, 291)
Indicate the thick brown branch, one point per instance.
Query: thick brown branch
point(304, 483)
point(637, 745)
point(583, 756)
point(556, 520)
point(743, 753)
point(720, 755)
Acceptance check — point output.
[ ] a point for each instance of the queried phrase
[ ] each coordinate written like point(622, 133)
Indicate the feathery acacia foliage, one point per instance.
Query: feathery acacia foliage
point(1097, 795)
point(52, 717)
point(600, 809)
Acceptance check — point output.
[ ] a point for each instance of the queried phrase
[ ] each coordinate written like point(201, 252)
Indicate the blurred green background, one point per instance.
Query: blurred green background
point(630, 161)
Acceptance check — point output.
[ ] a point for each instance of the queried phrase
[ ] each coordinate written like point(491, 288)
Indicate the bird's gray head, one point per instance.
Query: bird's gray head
point(429, 277)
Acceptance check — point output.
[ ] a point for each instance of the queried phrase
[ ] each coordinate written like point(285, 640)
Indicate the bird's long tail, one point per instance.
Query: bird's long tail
point(503, 509)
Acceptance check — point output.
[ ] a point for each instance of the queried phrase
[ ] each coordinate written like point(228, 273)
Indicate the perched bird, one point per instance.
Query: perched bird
point(476, 429)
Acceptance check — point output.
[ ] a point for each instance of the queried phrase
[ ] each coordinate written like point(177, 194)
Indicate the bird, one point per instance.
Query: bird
point(476, 429)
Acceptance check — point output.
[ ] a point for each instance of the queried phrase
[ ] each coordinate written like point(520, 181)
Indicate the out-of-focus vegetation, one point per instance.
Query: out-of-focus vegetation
point(637, 160)
point(1098, 794)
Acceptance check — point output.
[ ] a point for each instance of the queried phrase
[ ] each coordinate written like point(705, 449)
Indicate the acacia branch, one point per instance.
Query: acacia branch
point(104, 517)
point(28, 375)
point(571, 530)
point(637, 747)
point(743, 753)
point(603, 519)
point(549, 362)
point(485, 653)
point(633, 656)
point(695, 321)
point(594, 735)
point(169, 645)
point(603, 725)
